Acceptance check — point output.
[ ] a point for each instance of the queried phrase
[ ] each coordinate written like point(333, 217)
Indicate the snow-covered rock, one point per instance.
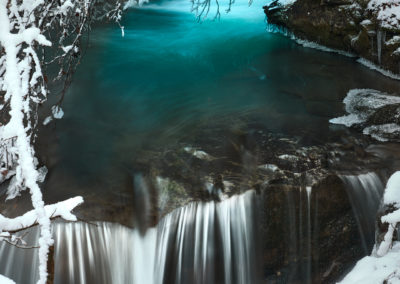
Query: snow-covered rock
point(376, 112)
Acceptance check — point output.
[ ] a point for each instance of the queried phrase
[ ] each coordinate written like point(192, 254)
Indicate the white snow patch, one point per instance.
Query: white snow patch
point(287, 2)
point(135, 3)
point(269, 167)
point(378, 131)
point(366, 22)
point(57, 112)
point(198, 153)
point(5, 280)
point(361, 103)
point(390, 197)
point(47, 120)
point(61, 209)
point(383, 265)
point(66, 49)
point(347, 120)
point(291, 158)
point(314, 45)
point(392, 191)
point(42, 174)
point(373, 269)
point(393, 40)
point(372, 66)
point(387, 13)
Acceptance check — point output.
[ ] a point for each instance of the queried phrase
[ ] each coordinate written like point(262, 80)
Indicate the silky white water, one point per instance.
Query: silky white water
point(203, 242)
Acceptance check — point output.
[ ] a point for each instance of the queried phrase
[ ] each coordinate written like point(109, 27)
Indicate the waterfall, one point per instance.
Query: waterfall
point(212, 242)
point(308, 190)
point(300, 230)
point(365, 192)
point(379, 39)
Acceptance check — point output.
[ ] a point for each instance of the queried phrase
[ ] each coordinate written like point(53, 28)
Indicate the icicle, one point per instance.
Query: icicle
point(379, 39)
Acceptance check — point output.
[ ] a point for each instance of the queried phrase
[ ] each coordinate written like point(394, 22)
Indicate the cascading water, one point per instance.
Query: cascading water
point(212, 242)
point(365, 192)
point(379, 40)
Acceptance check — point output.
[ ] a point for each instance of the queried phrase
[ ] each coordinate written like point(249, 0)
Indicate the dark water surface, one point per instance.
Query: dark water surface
point(168, 80)
point(172, 76)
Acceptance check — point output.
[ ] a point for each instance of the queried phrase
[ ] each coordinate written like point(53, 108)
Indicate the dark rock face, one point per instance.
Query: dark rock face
point(375, 113)
point(310, 237)
point(340, 24)
point(308, 230)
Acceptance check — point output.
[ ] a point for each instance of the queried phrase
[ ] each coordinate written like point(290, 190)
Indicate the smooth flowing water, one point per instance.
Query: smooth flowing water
point(171, 77)
point(199, 243)
point(365, 192)
point(167, 80)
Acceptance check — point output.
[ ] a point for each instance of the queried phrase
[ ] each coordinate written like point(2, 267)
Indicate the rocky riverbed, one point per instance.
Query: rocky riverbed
point(307, 226)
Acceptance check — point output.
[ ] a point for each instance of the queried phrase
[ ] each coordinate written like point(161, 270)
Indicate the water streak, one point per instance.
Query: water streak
point(213, 242)
point(365, 192)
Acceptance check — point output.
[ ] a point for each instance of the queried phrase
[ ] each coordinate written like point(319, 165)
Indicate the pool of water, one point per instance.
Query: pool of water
point(172, 76)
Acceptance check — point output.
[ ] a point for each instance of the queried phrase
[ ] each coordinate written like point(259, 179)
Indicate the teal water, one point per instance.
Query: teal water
point(171, 76)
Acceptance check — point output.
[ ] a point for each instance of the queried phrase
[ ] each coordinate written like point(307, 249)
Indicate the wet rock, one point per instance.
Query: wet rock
point(308, 228)
point(345, 25)
point(374, 113)
point(311, 234)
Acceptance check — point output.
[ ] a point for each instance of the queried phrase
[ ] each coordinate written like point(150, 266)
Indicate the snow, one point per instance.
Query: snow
point(387, 13)
point(61, 209)
point(392, 191)
point(384, 262)
point(198, 153)
point(366, 22)
point(393, 40)
point(361, 103)
point(19, 39)
point(372, 66)
point(286, 2)
point(134, 3)
point(57, 112)
point(5, 280)
point(47, 120)
point(314, 45)
point(269, 167)
point(347, 120)
point(291, 158)
point(67, 48)
point(374, 269)
point(379, 132)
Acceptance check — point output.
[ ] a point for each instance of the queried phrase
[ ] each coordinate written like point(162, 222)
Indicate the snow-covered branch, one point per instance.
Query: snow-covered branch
point(61, 209)
point(28, 28)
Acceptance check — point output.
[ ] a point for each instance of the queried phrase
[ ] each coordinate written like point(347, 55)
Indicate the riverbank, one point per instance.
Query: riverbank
point(355, 27)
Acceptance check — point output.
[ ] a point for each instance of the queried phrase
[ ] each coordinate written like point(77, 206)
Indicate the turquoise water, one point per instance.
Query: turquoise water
point(171, 76)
